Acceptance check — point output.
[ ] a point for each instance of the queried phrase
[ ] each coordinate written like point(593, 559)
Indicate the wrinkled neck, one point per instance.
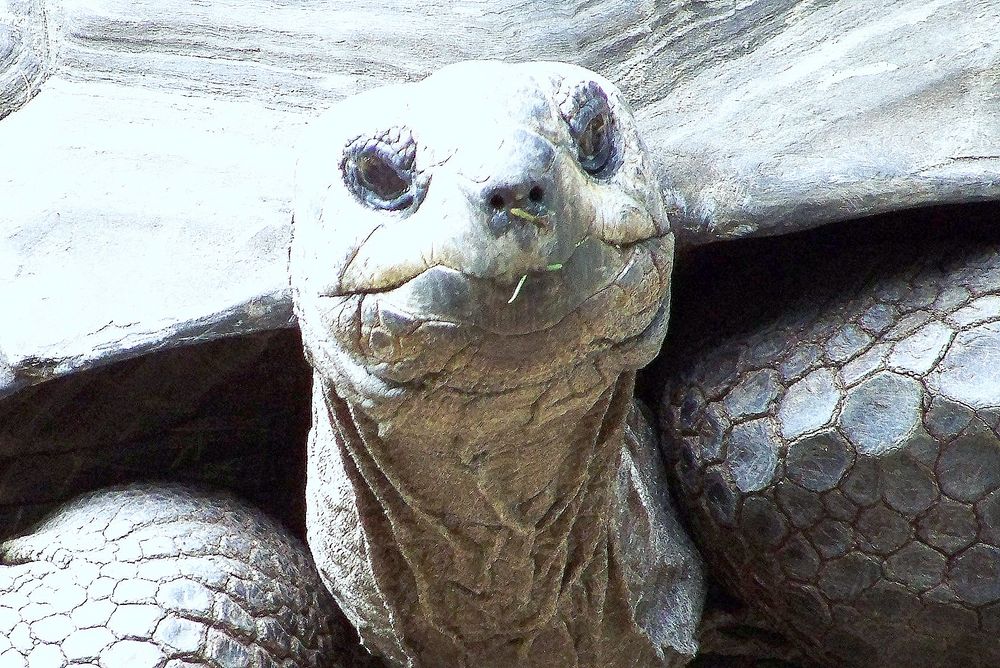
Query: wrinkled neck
point(485, 508)
point(508, 460)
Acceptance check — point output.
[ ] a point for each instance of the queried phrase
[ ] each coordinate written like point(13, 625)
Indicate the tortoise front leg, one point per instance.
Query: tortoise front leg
point(165, 576)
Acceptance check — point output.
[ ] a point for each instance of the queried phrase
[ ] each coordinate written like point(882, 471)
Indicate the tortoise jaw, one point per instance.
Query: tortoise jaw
point(451, 329)
point(509, 305)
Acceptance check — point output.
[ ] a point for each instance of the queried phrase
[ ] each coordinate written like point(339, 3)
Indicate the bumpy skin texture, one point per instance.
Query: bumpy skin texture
point(162, 577)
point(839, 455)
point(478, 494)
point(231, 413)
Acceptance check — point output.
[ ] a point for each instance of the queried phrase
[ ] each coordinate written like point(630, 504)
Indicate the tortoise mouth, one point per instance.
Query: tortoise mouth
point(536, 301)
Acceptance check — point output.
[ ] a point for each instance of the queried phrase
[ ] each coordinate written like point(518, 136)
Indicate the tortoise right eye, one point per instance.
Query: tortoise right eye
point(594, 143)
point(587, 111)
point(382, 180)
point(379, 171)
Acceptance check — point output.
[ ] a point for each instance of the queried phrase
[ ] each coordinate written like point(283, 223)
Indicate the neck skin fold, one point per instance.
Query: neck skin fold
point(478, 518)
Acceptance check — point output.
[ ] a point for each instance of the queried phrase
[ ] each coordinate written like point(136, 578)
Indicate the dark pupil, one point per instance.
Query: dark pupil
point(380, 177)
point(593, 137)
point(593, 144)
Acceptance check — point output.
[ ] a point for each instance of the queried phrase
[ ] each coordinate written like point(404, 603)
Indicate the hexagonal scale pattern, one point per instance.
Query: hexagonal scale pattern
point(154, 576)
point(840, 460)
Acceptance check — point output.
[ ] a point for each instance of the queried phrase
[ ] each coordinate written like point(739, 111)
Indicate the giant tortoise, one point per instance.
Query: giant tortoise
point(479, 264)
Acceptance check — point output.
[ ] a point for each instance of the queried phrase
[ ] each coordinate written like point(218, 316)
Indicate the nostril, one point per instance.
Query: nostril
point(504, 197)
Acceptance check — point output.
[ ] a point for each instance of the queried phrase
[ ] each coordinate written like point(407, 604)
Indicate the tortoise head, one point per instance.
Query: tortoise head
point(492, 212)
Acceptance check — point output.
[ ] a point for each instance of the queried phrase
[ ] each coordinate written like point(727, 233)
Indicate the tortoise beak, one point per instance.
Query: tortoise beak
point(532, 301)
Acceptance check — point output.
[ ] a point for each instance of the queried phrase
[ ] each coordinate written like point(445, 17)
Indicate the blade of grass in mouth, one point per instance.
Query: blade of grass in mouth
point(517, 289)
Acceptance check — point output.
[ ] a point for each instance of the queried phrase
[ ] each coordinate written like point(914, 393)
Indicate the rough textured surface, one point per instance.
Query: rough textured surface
point(476, 284)
point(832, 417)
point(231, 414)
point(164, 577)
point(159, 151)
point(24, 52)
point(830, 111)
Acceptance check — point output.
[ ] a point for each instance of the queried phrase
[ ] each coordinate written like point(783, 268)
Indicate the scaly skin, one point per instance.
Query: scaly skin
point(475, 498)
point(72, 593)
point(839, 454)
point(163, 577)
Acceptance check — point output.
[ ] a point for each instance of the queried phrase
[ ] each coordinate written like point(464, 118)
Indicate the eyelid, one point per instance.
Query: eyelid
point(575, 97)
point(396, 149)
point(396, 145)
point(586, 113)
point(384, 153)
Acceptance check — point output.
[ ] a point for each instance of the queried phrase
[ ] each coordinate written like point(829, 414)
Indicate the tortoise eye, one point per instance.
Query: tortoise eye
point(593, 143)
point(592, 127)
point(380, 177)
point(379, 171)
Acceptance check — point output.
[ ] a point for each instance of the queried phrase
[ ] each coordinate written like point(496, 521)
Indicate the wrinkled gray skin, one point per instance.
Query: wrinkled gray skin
point(482, 489)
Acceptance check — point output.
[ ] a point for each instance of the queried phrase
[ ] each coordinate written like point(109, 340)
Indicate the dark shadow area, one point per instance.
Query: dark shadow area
point(725, 288)
point(730, 290)
point(233, 414)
